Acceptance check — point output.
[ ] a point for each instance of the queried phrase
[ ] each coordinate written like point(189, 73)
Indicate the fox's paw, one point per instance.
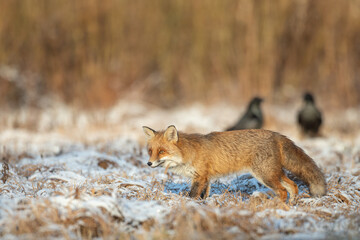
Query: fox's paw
point(293, 201)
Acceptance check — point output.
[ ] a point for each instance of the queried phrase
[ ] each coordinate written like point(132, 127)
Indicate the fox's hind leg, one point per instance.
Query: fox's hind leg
point(290, 186)
point(271, 179)
point(279, 189)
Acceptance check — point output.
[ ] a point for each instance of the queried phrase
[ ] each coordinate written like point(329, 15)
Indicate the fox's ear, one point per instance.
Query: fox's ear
point(150, 133)
point(171, 134)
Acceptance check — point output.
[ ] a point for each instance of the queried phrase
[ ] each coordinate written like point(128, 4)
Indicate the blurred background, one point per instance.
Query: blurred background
point(92, 53)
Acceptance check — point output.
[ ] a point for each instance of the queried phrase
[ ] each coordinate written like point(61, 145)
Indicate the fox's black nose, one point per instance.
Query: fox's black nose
point(149, 163)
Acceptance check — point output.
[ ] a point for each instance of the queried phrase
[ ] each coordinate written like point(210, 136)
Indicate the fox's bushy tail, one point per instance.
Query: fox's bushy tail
point(302, 166)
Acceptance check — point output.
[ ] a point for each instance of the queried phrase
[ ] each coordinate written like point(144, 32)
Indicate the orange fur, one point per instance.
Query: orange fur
point(262, 153)
point(166, 169)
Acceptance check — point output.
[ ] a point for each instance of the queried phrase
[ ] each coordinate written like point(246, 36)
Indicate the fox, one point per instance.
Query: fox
point(263, 153)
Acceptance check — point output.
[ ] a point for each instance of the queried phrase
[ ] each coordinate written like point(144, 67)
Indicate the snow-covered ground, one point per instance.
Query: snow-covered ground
point(66, 174)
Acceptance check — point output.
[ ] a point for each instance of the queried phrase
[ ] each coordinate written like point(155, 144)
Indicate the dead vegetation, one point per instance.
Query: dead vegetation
point(206, 51)
point(5, 172)
point(57, 184)
point(67, 211)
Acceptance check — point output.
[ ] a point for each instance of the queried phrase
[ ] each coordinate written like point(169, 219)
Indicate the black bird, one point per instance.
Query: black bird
point(309, 117)
point(252, 118)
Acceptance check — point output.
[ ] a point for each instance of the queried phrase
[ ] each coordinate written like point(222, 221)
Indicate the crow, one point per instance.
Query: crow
point(309, 117)
point(252, 118)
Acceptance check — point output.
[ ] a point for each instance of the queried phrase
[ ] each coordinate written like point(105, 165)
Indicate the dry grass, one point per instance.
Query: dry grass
point(5, 172)
point(222, 217)
point(91, 53)
point(57, 184)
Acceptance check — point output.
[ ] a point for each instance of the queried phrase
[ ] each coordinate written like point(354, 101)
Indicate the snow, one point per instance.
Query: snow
point(103, 173)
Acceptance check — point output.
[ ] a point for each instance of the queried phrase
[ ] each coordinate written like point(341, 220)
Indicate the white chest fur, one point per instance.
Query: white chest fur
point(183, 169)
point(177, 166)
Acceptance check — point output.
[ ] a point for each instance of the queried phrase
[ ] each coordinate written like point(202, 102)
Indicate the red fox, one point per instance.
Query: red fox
point(265, 154)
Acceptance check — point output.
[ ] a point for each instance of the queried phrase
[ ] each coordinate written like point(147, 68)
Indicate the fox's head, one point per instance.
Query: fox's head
point(162, 147)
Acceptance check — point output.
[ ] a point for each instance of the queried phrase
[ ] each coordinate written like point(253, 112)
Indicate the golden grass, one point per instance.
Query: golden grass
point(187, 219)
point(184, 221)
point(91, 53)
point(5, 172)
point(31, 214)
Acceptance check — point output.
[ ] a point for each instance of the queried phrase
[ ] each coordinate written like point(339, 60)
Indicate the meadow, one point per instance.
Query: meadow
point(78, 80)
point(92, 53)
point(86, 177)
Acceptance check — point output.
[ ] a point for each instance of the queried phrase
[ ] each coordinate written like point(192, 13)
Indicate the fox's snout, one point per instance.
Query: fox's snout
point(155, 163)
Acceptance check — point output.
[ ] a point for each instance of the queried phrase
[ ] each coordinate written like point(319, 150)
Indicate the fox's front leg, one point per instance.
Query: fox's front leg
point(205, 192)
point(199, 188)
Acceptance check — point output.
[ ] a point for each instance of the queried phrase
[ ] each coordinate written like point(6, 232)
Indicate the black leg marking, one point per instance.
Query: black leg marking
point(194, 189)
point(203, 194)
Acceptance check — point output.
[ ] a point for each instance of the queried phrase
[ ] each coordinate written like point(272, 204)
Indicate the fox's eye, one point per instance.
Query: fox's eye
point(161, 151)
point(150, 151)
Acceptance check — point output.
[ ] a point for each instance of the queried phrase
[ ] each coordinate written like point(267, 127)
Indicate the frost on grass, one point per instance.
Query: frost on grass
point(96, 184)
